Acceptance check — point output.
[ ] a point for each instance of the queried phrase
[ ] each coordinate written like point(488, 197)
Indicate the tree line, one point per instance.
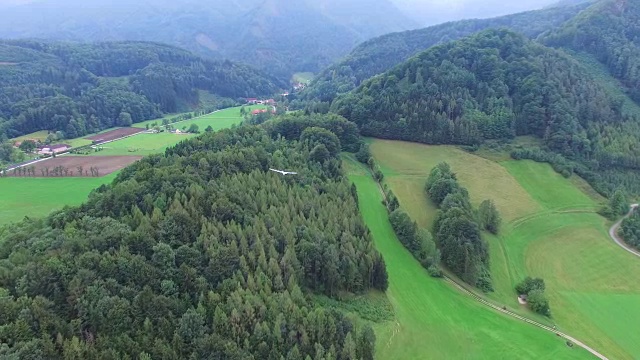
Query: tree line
point(458, 227)
point(630, 230)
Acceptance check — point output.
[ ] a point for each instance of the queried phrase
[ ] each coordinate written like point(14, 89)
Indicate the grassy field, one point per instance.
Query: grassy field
point(20, 197)
point(432, 319)
point(303, 77)
point(142, 144)
point(218, 120)
point(36, 197)
point(550, 229)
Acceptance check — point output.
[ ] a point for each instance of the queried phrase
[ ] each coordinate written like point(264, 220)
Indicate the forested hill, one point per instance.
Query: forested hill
point(496, 85)
point(201, 253)
point(610, 31)
point(381, 54)
point(278, 36)
point(83, 88)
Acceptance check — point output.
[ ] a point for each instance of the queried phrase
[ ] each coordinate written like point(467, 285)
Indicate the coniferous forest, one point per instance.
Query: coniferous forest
point(83, 88)
point(225, 253)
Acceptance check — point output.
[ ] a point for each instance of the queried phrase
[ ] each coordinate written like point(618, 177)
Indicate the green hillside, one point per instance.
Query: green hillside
point(122, 83)
point(608, 30)
point(550, 230)
point(435, 320)
point(380, 54)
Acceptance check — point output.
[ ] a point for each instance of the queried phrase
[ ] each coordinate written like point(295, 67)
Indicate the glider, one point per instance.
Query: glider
point(284, 172)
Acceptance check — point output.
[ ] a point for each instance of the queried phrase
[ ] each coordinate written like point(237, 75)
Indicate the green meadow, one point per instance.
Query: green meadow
point(550, 230)
point(141, 144)
point(433, 320)
point(220, 119)
point(37, 197)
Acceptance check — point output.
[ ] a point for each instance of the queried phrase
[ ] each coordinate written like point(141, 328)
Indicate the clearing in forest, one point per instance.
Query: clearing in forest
point(139, 145)
point(433, 320)
point(550, 230)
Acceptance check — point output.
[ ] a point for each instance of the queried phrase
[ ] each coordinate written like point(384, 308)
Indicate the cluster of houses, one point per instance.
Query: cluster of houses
point(53, 149)
point(255, 101)
point(47, 150)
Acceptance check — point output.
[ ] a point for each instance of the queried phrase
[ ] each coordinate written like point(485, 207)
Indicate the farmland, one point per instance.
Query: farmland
point(217, 120)
point(434, 320)
point(114, 134)
point(35, 197)
point(70, 166)
point(550, 230)
point(141, 145)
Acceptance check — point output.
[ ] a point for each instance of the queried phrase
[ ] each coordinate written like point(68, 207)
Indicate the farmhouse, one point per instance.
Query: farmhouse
point(252, 101)
point(53, 149)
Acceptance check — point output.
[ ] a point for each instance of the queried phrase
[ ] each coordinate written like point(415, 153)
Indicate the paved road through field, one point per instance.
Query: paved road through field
point(613, 232)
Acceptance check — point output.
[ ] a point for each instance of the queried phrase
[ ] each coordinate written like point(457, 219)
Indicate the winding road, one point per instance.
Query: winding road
point(613, 232)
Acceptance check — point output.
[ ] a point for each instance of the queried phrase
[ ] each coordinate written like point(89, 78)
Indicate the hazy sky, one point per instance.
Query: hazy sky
point(428, 12)
point(437, 11)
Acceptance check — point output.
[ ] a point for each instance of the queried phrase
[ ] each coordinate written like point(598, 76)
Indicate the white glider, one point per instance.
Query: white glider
point(284, 172)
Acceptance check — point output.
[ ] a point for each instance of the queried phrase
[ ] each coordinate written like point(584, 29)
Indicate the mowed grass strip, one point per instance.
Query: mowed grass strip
point(37, 197)
point(434, 320)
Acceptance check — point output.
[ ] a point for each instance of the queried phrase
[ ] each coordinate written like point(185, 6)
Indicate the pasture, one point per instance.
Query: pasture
point(434, 320)
point(550, 230)
point(218, 120)
point(141, 144)
point(37, 197)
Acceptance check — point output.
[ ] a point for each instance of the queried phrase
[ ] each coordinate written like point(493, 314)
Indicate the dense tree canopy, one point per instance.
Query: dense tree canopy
point(199, 253)
point(630, 230)
point(83, 88)
point(456, 229)
point(609, 30)
point(381, 54)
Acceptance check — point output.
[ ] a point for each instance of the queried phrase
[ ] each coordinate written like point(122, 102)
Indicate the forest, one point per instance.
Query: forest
point(198, 253)
point(609, 31)
point(630, 230)
point(498, 85)
point(84, 88)
point(378, 55)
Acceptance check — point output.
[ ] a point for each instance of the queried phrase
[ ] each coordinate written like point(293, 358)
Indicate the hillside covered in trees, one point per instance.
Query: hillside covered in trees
point(84, 88)
point(610, 31)
point(497, 85)
point(381, 54)
point(199, 253)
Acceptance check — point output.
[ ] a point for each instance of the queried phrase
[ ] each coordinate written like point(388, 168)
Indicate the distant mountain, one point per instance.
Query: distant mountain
point(380, 54)
point(610, 31)
point(84, 88)
point(279, 36)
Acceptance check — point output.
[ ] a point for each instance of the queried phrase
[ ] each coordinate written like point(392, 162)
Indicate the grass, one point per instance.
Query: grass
point(434, 320)
point(38, 135)
point(303, 77)
point(37, 197)
point(141, 144)
point(220, 119)
point(550, 230)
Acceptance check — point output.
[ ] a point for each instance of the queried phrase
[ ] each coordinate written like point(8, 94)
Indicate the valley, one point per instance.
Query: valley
point(550, 230)
point(37, 196)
